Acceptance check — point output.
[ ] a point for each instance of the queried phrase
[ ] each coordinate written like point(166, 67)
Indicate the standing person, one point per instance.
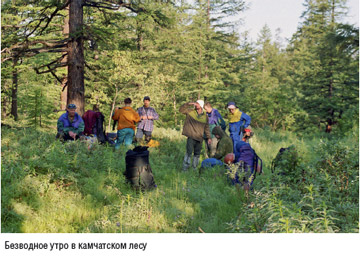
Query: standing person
point(214, 119)
point(195, 126)
point(147, 116)
point(238, 121)
point(70, 126)
point(127, 118)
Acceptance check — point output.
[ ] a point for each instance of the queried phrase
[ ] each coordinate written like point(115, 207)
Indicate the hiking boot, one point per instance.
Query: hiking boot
point(147, 139)
point(186, 162)
point(196, 160)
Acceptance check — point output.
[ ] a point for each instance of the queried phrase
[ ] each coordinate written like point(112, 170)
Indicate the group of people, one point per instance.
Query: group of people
point(71, 126)
point(202, 122)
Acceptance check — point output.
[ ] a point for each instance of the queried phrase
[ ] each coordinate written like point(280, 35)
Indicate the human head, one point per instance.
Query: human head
point(229, 158)
point(96, 108)
point(218, 132)
point(199, 104)
point(127, 101)
point(208, 107)
point(146, 101)
point(71, 108)
point(231, 106)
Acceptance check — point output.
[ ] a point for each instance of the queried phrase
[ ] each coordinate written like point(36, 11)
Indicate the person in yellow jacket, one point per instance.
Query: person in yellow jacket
point(127, 118)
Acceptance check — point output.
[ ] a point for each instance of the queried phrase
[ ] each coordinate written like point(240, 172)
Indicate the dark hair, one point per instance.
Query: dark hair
point(96, 108)
point(208, 104)
point(127, 100)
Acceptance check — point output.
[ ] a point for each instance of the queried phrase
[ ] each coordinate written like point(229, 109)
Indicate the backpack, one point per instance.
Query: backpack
point(285, 160)
point(138, 171)
point(249, 164)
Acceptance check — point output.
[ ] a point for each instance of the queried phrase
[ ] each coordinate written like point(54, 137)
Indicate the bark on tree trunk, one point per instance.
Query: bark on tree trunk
point(175, 110)
point(76, 89)
point(113, 107)
point(14, 110)
point(64, 88)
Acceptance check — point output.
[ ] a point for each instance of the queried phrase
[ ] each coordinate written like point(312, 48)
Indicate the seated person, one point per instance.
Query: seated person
point(70, 126)
point(223, 147)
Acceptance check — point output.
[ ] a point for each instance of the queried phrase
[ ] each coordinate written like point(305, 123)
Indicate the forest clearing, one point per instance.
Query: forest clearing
point(301, 92)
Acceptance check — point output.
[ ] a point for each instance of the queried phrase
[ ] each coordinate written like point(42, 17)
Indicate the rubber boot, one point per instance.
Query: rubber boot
point(147, 139)
point(186, 162)
point(195, 162)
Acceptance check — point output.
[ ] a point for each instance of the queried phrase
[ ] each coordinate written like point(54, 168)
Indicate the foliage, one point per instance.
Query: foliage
point(48, 186)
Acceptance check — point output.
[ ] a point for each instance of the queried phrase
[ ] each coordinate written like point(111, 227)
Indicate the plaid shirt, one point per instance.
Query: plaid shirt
point(147, 124)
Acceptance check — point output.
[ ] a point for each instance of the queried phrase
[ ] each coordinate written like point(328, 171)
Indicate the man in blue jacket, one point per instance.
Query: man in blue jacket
point(70, 126)
point(238, 121)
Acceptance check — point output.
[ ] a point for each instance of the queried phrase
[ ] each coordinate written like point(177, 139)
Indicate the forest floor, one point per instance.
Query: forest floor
point(47, 186)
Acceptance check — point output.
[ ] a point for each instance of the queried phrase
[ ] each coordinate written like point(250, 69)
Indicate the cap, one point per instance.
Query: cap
point(71, 106)
point(231, 105)
point(200, 102)
point(146, 98)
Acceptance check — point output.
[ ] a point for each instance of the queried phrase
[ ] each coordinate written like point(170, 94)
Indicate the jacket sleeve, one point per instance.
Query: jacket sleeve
point(219, 153)
point(221, 121)
point(207, 129)
point(81, 127)
point(186, 108)
point(136, 117)
point(116, 115)
point(156, 115)
point(246, 118)
point(60, 126)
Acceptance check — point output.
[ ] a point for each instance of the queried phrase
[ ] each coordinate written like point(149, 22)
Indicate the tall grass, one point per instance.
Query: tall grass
point(52, 187)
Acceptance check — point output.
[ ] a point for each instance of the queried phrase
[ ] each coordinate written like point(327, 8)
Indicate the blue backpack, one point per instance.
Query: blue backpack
point(250, 162)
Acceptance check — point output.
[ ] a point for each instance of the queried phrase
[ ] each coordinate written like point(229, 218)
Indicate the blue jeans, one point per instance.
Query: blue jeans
point(124, 136)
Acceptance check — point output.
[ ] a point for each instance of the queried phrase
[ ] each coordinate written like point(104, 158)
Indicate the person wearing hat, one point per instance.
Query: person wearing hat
point(238, 121)
point(195, 127)
point(147, 116)
point(127, 118)
point(70, 126)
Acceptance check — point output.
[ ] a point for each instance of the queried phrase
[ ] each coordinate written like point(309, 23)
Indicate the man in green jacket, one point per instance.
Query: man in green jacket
point(225, 144)
point(195, 126)
point(224, 147)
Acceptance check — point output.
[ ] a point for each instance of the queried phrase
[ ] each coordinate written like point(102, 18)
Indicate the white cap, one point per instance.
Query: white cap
point(201, 103)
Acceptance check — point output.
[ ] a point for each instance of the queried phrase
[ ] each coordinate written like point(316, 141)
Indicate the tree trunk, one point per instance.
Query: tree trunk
point(64, 88)
point(76, 89)
point(3, 106)
point(175, 110)
point(113, 108)
point(14, 106)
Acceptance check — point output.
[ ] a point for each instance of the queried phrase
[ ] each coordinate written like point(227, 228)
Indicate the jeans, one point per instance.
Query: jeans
point(124, 136)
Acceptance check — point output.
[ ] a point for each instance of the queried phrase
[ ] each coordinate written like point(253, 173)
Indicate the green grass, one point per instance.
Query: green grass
point(52, 187)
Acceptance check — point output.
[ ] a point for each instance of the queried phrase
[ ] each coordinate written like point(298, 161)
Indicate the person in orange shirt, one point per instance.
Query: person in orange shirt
point(127, 118)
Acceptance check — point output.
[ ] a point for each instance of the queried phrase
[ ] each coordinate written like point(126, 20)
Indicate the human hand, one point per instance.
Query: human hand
point(150, 117)
point(72, 134)
point(209, 141)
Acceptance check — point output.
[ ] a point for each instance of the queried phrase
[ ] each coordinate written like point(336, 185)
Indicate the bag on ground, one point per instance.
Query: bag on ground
point(138, 171)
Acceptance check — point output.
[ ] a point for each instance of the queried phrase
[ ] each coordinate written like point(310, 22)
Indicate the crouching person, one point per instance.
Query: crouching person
point(195, 126)
point(70, 126)
point(224, 147)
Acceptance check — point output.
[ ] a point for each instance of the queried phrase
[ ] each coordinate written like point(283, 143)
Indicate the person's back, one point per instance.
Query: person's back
point(126, 117)
point(224, 146)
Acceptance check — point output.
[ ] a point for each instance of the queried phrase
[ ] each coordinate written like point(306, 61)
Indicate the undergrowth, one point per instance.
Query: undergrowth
point(48, 186)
